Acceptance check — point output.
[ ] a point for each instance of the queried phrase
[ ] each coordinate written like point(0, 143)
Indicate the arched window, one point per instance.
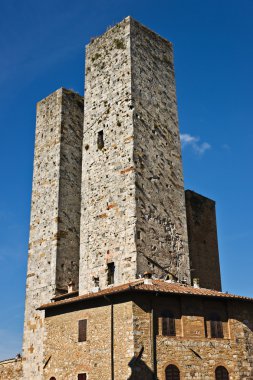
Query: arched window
point(172, 372)
point(216, 326)
point(221, 373)
point(52, 378)
point(168, 324)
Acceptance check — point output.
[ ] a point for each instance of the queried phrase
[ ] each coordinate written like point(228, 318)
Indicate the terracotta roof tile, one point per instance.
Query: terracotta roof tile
point(157, 286)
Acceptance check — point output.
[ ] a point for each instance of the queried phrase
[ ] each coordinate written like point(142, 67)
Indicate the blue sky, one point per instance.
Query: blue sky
point(42, 48)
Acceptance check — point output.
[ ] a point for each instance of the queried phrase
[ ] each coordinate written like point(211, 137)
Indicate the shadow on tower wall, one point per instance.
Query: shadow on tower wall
point(140, 370)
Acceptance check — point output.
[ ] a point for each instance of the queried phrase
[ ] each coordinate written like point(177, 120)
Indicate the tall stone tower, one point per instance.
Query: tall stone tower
point(55, 216)
point(133, 215)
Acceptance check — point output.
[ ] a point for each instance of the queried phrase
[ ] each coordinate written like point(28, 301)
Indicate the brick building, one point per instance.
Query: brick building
point(123, 277)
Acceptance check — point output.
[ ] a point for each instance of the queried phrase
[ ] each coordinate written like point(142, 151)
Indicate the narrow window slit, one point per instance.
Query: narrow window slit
point(100, 140)
point(110, 273)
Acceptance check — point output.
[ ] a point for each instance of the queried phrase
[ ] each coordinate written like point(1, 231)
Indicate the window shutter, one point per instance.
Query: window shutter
point(168, 324)
point(216, 328)
point(213, 329)
point(165, 326)
point(82, 331)
point(219, 329)
point(172, 329)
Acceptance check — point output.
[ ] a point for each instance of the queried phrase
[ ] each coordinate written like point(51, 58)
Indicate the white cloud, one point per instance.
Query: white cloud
point(194, 142)
point(226, 147)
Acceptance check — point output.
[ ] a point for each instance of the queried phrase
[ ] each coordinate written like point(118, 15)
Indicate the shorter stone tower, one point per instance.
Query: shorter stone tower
point(55, 216)
point(203, 242)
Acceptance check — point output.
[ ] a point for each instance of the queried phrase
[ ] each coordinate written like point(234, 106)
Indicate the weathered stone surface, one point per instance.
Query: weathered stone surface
point(140, 350)
point(161, 232)
point(67, 357)
point(11, 369)
point(55, 214)
point(203, 242)
point(133, 211)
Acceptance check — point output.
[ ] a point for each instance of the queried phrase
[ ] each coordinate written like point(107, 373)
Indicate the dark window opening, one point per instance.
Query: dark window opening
point(52, 378)
point(96, 281)
point(168, 324)
point(82, 376)
point(172, 373)
point(216, 326)
point(100, 140)
point(82, 330)
point(221, 373)
point(110, 273)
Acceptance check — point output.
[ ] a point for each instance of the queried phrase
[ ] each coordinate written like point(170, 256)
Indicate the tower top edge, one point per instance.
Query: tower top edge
point(129, 20)
point(60, 91)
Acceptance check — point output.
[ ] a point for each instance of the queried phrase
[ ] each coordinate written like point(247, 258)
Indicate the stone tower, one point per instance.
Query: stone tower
point(55, 216)
point(202, 240)
point(133, 217)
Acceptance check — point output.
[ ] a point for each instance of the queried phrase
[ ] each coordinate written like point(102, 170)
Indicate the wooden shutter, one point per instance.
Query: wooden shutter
point(168, 324)
point(172, 328)
point(165, 326)
point(82, 330)
point(219, 329)
point(213, 329)
point(216, 329)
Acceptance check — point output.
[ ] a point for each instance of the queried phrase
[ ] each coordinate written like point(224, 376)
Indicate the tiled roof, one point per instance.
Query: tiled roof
point(156, 286)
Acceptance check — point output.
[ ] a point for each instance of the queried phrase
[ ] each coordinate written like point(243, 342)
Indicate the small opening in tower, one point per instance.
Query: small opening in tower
point(100, 140)
point(96, 281)
point(110, 273)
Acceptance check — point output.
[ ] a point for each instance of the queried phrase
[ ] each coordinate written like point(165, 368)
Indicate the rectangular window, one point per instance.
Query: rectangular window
point(216, 329)
point(82, 376)
point(168, 326)
point(110, 273)
point(100, 140)
point(82, 330)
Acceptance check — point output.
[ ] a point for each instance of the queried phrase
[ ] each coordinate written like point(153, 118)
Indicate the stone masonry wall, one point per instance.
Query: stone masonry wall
point(108, 189)
point(68, 235)
point(193, 350)
point(161, 217)
point(133, 212)
point(203, 242)
point(54, 230)
point(67, 357)
point(11, 369)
